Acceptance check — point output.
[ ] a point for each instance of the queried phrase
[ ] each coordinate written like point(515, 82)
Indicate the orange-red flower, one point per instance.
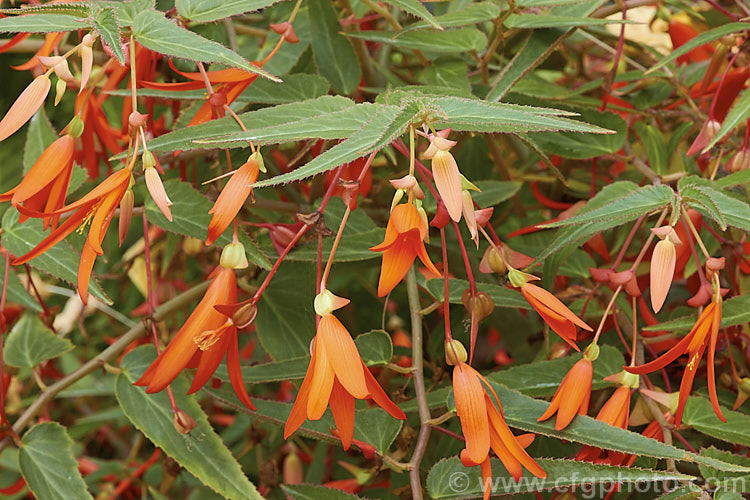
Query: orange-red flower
point(403, 242)
point(615, 412)
point(44, 187)
point(704, 334)
point(553, 312)
point(201, 343)
point(98, 207)
point(232, 197)
point(572, 397)
point(484, 427)
point(336, 376)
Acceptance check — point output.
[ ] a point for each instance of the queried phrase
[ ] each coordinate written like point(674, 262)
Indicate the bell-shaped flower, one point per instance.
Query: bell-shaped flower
point(573, 395)
point(202, 342)
point(44, 187)
point(30, 100)
point(614, 412)
point(403, 242)
point(336, 376)
point(232, 197)
point(663, 263)
point(484, 427)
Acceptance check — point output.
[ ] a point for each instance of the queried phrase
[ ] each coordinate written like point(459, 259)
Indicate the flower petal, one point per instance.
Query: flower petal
point(472, 411)
point(235, 372)
point(448, 182)
point(342, 408)
point(321, 383)
point(231, 199)
point(30, 100)
point(379, 396)
point(342, 355)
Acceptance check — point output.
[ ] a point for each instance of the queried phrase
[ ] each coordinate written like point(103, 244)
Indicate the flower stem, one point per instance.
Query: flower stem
point(417, 367)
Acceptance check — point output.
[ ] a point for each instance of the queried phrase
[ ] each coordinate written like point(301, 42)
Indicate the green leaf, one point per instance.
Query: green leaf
point(656, 147)
point(415, 8)
point(156, 32)
point(206, 11)
point(48, 465)
point(374, 348)
point(522, 411)
point(577, 146)
point(42, 23)
point(500, 295)
point(538, 46)
point(449, 478)
point(190, 217)
point(735, 311)
point(30, 342)
point(261, 119)
point(313, 492)
point(495, 192)
point(39, 136)
point(16, 291)
point(735, 179)
point(535, 21)
point(697, 41)
point(699, 414)
point(642, 201)
point(732, 481)
point(80, 9)
point(384, 127)
point(106, 24)
point(333, 53)
point(450, 41)
point(731, 211)
point(738, 114)
point(206, 458)
point(60, 261)
point(569, 236)
point(475, 13)
point(286, 318)
point(542, 378)
point(689, 491)
point(126, 12)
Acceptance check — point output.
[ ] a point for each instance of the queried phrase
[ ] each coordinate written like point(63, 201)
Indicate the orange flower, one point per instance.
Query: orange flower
point(572, 397)
point(553, 312)
point(44, 187)
point(704, 334)
point(484, 427)
point(336, 375)
point(98, 207)
point(232, 197)
point(30, 100)
point(445, 172)
point(663, 263)
point(615, 412)
point(403, 242)
point(201, 343)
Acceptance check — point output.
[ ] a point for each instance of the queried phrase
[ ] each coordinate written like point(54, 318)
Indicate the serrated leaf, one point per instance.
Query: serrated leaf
point(106, 24)
point(333, 53)
point(689, 491)
point(522, 411)
point(500, 295)
point(286, 318)
point(16, 291)
point(384, 127)
point(739, 113)
point(538, 46)
point(700, 415)
point(61, 261)
point(47, 463)
point(733, 481)
point(542, 378)
point(206, 458)
point(473, 14)
point(30, 342)
point(314, 492)
point(156, 32)
point(449, 478)
point(374, 348)
point(190, 217)
point(126, 12)
point(451, 41)
point(642, 201)
point(78, 9)
point(206, 11)
point(577, 146)
point(733, 212)
point(415, 8)
point(42, 23)
point(535, 21)
point(696, 198)
point(735, 179)
point(38, 137)
point(697, 41)
point(183, 139)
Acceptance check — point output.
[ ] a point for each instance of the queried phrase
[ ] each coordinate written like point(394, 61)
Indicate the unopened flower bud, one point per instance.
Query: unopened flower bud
point(480, 304)
point(292, 470)
point(740, 161)
point(233, 256)
point(60, 88)
point(492, 261)
point(245, 315)
point(183, 422)
point(455, 352)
